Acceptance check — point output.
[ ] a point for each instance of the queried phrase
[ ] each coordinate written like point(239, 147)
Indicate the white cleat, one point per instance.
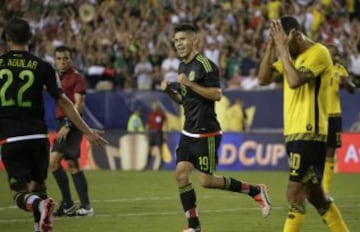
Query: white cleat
point(46, 224)
point(263, 200)
point(82, 212)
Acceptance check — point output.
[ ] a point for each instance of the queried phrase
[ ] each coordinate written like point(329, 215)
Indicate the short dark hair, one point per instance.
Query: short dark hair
point(188, 27)
point(289, 23)
point(63, 48)
point(17, 30)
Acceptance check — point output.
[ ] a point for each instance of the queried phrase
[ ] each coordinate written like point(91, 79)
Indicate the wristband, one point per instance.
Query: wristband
point(67, 122)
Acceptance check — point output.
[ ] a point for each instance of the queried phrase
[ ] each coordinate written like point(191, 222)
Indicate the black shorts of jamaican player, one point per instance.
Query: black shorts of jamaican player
point(26, 161)
point(70, 147)
point(306, 159)
point(155, 138)
point(201, 152)
point(334, 132)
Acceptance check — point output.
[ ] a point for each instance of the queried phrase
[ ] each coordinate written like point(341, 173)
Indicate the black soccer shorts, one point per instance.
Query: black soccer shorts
point(201, 152)
point(306, 160)
point(334, 132)
point(26, 161)
point(70, 147)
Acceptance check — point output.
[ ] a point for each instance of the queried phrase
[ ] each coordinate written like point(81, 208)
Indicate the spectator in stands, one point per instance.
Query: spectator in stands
point(142, 73)
point(169, 67)
point(274, 9)
point(250, 82)
point(235, 79)
point(354, 62)
point(212, 51)
point(147, 26)
point(236, 117)
point(248, 59)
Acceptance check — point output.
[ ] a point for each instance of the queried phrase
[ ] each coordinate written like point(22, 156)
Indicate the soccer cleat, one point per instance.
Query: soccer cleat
point(84, 212)
point(46, 215)
point(263, 200)
point(65, 210)
point(36, 227)
point(192, 230)
point(330, 198)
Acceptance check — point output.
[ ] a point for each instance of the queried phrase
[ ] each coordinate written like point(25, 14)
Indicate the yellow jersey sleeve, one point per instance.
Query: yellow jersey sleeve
point(316, 59)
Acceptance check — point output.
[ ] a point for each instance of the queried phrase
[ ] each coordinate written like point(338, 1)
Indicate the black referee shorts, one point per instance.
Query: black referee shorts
point(70, 147)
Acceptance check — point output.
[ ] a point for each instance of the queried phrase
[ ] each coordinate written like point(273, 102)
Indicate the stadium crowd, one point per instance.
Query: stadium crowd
point(126, 44)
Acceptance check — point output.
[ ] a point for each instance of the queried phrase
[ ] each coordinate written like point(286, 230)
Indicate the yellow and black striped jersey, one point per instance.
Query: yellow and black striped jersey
point(305, 108)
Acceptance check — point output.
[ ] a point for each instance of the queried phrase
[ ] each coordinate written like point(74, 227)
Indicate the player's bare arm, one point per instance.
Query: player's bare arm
point(79, 102)
point(295, 77)
point(174, 95)
point(265, 69)
point(69, 110)
point(211, 93)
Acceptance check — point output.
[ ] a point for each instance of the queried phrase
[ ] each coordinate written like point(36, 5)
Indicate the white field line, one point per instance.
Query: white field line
point(147, 198)
point(132, 199)
point(142, 214)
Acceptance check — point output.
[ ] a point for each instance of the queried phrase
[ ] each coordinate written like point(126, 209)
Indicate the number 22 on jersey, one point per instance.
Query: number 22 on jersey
point(7, 75)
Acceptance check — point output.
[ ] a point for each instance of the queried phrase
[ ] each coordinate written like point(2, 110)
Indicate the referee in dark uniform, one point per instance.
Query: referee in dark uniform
point(68, 139)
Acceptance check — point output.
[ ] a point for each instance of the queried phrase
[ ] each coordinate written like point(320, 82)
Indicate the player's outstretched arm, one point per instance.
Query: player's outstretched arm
point(174, 95)
point(69, 110)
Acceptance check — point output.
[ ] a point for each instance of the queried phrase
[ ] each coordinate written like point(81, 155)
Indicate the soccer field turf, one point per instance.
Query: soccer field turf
point(148, 201)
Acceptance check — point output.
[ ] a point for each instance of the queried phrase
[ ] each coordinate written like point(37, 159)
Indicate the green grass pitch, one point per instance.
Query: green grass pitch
point(148, 201)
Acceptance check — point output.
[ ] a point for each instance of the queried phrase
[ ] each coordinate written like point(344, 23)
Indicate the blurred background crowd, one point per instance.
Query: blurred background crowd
point(126, 44)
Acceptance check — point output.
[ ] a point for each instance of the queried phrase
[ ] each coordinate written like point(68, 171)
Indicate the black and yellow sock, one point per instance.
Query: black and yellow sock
point(333, 219)
point(27, 201)
point(243, 187)
point(328, 174)
point(63, 183)
point(43, 195)
point(295, 218)
point(81, 186)
point(188, 201)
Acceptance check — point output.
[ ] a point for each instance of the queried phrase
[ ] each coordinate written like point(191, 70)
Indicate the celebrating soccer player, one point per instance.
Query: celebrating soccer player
point(197, 89)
